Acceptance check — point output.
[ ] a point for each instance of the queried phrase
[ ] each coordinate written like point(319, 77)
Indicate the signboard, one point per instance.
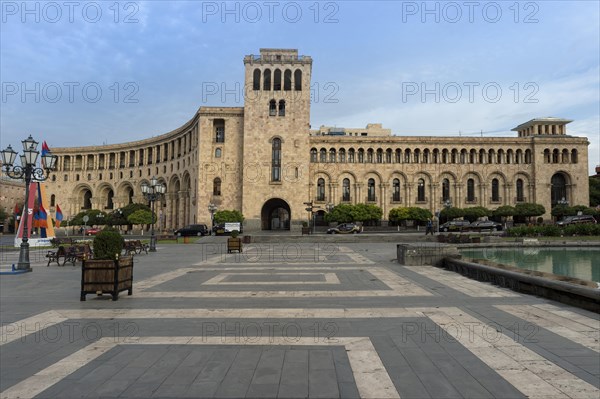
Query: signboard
point(229, 227)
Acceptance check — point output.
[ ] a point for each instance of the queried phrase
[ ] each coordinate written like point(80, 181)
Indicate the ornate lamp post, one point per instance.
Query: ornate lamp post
point(212, 208)
point(28, 171)
point(329, 207)
point(153, 192)
point(563, 201)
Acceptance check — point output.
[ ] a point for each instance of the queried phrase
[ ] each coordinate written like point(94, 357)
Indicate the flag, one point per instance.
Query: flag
point(36, 218)
point(45, 151)
point(16, 215)
point(43, 217)
point(59, 216)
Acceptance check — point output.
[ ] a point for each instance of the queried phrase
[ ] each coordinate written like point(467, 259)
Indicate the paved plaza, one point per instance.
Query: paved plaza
point(322, 320)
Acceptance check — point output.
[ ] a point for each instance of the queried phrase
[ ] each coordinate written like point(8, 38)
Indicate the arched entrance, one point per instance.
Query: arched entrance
point(275, 215)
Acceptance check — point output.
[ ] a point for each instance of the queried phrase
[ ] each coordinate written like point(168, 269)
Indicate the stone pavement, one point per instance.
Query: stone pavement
point(321, 320)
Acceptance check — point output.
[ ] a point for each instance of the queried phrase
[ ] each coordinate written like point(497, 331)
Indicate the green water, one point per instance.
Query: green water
point(583, 263)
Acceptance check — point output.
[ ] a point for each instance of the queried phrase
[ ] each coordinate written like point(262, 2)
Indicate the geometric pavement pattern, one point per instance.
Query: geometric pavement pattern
point(335, 320)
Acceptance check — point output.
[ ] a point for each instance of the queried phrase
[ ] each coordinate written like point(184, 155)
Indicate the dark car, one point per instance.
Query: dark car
point(579, 219)
point(485, 225)
point(455, 225)
point(193, 230)
point(345, 228)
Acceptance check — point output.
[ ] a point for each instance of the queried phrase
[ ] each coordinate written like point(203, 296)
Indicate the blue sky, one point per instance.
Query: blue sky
point(105, 72)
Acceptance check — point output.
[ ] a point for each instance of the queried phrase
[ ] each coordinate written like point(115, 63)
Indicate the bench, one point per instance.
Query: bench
point(57, 242)
point(135, 247)
point(54, 256)
point(75, 253)
point(234, 244)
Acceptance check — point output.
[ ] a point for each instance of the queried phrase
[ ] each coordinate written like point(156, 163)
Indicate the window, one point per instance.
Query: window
point(321, 189)
point(351, 155)
point(217, 186)
point(520, 196)
point(287, 80)
point(445, 190)
point(277, 80)
point(379, 156)
point(52, 200)
point(495, 190)
point(272, 108)
point(267, 80)
point(574, 156)
point(470, 190)
point(219, 126)
point(313, 155)
point(558, 185)
point(421, 190)
point(282, 108)
point(298, 80)
point(276, 160)
point(370, 155)
point(396, 190)
point(342, 156)
point(361, 155)
point(346, 190)
point(256, 80)
point(332, 155)
point(218, 153)
point(371, 190)
point(323, 155)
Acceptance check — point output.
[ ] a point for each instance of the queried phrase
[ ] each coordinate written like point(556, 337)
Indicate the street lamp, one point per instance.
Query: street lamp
point(153, 192)
point(563, 201)
point(212, 208)
point(27, 171)
point(329, 207)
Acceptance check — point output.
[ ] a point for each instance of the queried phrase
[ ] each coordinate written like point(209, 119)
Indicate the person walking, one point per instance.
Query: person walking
point(429, 228)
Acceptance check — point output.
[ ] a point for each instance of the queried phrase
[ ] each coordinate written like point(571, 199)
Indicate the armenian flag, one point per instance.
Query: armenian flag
point(59, 216)
point(45, 151)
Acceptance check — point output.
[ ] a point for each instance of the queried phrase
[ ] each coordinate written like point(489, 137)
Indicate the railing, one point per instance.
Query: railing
point(471, 201)
point(496, 201)
point(371, 199)
point(522, 199)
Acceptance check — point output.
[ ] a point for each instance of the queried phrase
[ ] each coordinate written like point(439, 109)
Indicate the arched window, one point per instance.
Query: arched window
point(282, 108)
point(527, 156)
point(87, 200)
point(52, 200)
point(351, 155)
point(495, 190)
point(472, 156)
point(555, 156)
point(219, 126)
point(332, 155)
point(361, 155)
point(519, 156)
point(396, 190)
point(379, 155)
point(342, 155)
point(109, 199)
point(520, 195)
point(346, 190)
point(218, 153)
point(256, 80)
point(445, 190)
point(277, 80)
point(574, 156)
point(388, 155)
point(558, 184)
point(481, 156)
point(398, 157)
point(371, 190)
point(470, 190)
point(313, 155)
point(407, 156)
point(276, 160)
point(321, 189)
point(370, 155)
point(491, 156)
point(287, 80)
point(272, 108)
point(421, 191)
point(417, 155)
point(323, 155)
point(267, 80)
point(298, 80)
point(217, 186)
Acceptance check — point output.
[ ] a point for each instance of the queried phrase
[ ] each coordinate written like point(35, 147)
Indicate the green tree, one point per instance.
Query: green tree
point(141, 216)
point(560, 211)
point(475, 212)
point(529, 210)
point(504, 211)
point(594, 191)
point(419, 214)
point(451, 213)
point(341, 213)
point(366, 213)
point(95, 218)
point(228, 216)
point(399, 215)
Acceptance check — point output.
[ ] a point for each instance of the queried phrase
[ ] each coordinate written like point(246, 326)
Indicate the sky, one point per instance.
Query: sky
point(105, 72)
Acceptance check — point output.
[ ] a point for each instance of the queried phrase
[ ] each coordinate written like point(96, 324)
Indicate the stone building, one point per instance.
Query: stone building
point(264, 160)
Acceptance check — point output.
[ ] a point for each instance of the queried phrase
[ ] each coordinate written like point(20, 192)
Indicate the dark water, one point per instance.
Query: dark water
point(583, 263)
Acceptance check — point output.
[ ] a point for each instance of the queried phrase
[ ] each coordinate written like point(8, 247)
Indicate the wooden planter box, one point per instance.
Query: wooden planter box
point(234, 244)
point(107, 277)
point(305, 230)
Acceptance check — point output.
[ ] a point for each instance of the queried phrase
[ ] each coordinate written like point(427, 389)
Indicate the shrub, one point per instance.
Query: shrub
point(108, 245)
point(234, 233)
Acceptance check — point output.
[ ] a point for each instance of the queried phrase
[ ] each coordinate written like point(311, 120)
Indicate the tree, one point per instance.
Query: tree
point(594, 191)
point(560, 211)
point(399, 215)
point(228, 216)
point(475, 212)
point(3, 215)
point(451, 213)
point(340, 214)
point(528, 210)
point(95, 218)
point(419, 214)
point(141, 216)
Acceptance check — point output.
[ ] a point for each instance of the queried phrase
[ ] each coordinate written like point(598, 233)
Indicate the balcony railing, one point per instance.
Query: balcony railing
point(522, 199)
point(471, 201)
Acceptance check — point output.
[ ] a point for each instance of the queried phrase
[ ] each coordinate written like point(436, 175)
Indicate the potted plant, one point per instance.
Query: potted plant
point(108, 272)
point(305, 228)
point(234, 243)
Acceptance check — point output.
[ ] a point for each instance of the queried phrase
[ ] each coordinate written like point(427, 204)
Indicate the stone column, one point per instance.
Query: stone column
point(384, 199)
point(408, 193)
point(358, 197)
point(335, 199)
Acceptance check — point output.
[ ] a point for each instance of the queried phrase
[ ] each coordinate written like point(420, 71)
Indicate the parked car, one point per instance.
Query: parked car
point(92, 231)
point(485, 225)
point(192, 230)
point(345, 228)
point(579, 219)
point(455, 225)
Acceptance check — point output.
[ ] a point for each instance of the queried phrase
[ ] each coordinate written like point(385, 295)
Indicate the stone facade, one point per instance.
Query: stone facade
point(264, 160)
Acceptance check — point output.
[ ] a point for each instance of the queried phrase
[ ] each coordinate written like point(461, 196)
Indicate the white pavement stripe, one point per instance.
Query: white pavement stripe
point(13, 331)
point(461, 283)
point(330, 278)
point(570, 315)
point(560, 325)
point(527, 371)
point(370, 375)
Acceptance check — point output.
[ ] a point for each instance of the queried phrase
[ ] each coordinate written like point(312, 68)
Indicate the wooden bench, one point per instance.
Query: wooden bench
point(135, 247)
point(234, 244)
point(57, 242)
point(76, 253)
point(55, 256)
